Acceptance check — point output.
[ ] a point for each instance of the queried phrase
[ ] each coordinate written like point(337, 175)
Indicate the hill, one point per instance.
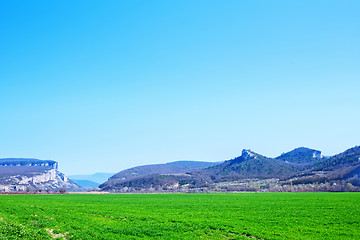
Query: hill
point(149, 173)
point(178, 167)
point(341, 167)
point(348, 158)
point(249, 165)
point(248, 171)
point(28, 174)
point(301, 155)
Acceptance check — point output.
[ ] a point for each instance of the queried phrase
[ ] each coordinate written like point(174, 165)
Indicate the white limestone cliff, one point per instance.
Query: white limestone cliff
point(25, 178)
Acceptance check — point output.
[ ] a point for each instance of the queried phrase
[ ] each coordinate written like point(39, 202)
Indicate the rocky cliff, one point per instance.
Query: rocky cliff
point(26, 174)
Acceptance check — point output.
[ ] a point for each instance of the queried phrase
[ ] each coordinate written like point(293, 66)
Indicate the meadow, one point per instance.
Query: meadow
point(181, 216)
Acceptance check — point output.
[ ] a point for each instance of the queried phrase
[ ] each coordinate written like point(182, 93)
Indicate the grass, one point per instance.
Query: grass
point(181, 216)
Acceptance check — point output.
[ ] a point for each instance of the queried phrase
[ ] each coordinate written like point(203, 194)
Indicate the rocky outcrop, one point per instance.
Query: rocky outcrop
point(33, 175)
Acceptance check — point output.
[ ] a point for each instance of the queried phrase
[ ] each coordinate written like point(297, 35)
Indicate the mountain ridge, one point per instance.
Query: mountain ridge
point(298, 166)
point(176, 167)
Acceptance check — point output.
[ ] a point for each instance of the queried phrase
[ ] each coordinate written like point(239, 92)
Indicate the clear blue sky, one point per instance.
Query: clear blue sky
point(100, 86)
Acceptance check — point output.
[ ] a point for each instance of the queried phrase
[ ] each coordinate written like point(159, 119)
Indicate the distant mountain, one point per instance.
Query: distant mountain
point(86, 183)
point(28, 174)
point(248, 171)
point(96, 177)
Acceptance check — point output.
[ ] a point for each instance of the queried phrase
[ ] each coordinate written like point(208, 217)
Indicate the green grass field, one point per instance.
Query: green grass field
point(181, 216)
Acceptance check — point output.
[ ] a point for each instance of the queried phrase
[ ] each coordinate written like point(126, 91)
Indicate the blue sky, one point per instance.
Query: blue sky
point(100, 86)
